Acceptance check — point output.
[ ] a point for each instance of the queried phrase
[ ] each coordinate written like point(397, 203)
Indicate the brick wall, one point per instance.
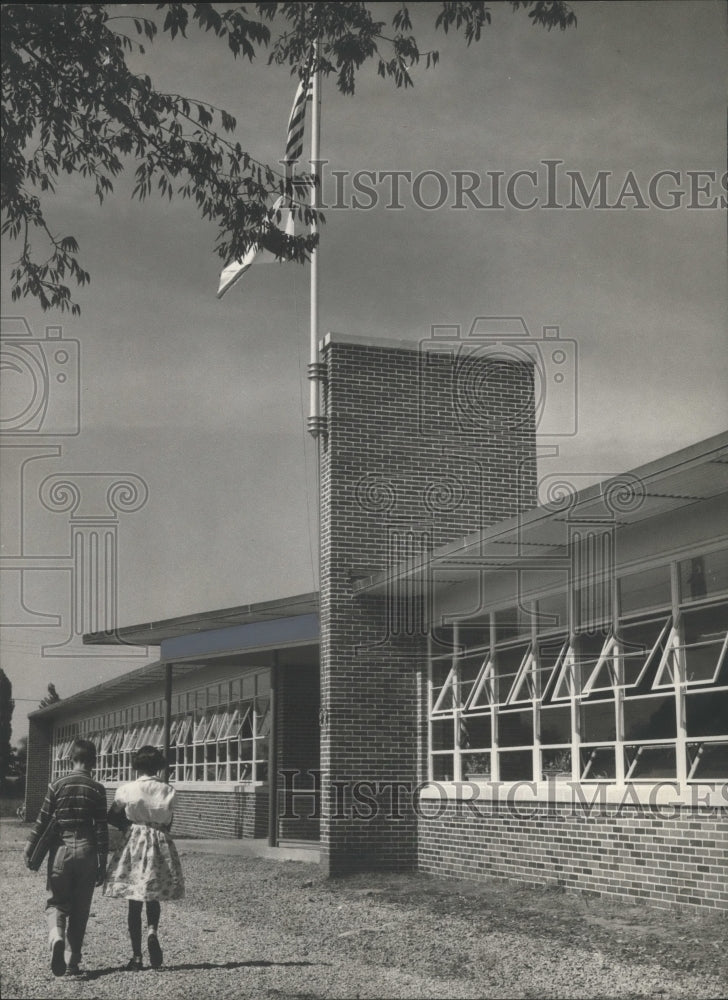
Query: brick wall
point(210, 814)
point(673, 858)
point(38, 773)
point(409, 462)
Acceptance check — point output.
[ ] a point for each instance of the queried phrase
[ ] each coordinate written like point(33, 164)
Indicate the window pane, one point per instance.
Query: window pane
point(703, 575)
point(598, 763)
point(246, 726)
point(704, 633)
point(649, 718)
point(593, 599)
point(474, 634)
point(589, 650)
point(708, 761)
point(707, 713)
point(553, 612)
point(475, 765)
point(555, 764)
point(262, 708)
point(442, 767)
point(468, 670)
point(598, 722)
point(475, 732)
point(442, 680)
point(507, 662)
point(443, 734)
point(440, 671)
point(548, 655)
point(556, 724)
point(649, 762)
point(648, 589)
point(442, 635)
point(515, 729)
point(516, 765)
point(639, 642)
point(511, 623)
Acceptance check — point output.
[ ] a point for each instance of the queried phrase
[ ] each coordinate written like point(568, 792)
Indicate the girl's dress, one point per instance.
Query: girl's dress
point(147, 867)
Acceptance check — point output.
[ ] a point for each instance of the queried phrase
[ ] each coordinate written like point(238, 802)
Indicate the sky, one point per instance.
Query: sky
point(201, 403)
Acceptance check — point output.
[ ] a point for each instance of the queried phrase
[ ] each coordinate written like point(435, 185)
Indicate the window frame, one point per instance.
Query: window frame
point(566, 683)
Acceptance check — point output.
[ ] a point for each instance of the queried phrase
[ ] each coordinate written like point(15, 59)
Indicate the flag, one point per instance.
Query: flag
point(255, 254)
point(294, 150)
point(297, 119)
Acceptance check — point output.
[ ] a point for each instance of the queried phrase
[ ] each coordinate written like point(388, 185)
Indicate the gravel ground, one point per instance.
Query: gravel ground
point(268, 930)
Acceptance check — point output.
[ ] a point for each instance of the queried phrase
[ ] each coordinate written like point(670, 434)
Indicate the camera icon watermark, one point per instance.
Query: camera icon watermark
point(77, 575)
point(502, 377)
point(40, 381)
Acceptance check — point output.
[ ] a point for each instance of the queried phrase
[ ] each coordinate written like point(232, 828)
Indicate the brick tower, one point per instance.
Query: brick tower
point(424, 444)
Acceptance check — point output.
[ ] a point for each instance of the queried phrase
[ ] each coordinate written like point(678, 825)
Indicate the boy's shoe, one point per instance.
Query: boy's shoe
point(155, 950)
point(58, 959)
point(134, 964)
point(74, 970)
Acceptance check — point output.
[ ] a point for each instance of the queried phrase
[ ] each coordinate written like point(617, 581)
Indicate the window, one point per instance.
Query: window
point(704, 576)
point(640, 698)
point(650, 588)
point(220, 732)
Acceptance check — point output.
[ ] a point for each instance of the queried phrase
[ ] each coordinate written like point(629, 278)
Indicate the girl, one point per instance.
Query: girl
point(147, 868)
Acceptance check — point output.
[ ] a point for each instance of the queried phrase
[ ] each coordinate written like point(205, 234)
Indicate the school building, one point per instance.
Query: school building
point(487, 684)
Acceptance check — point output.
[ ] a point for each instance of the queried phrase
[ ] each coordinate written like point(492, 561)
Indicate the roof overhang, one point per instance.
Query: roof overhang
point(191, 642)
point(155, 633)
point(672, 483)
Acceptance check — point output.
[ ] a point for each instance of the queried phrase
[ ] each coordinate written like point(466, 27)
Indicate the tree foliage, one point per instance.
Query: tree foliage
point(72, 105)
point(51, 698)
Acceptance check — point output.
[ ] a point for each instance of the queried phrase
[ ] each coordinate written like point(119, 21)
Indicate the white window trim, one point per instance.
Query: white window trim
point(483, 682)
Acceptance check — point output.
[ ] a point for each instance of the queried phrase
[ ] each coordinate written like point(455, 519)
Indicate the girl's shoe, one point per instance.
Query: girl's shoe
point(134, 964)
point(155, 950)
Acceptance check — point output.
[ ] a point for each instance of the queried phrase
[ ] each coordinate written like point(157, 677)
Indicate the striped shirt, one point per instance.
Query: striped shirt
point(77, 802)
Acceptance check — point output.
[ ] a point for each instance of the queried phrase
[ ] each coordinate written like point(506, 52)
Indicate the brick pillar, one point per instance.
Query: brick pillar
point(419, 451)
point(38, 773)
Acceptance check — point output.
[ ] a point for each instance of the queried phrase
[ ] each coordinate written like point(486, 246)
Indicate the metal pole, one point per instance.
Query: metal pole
point(315, 374)
point(167, 716)
point(273, 757)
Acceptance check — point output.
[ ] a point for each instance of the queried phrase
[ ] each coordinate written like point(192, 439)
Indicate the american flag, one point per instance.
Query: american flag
point(297, 119)
point(255, 254)
point(294, 150)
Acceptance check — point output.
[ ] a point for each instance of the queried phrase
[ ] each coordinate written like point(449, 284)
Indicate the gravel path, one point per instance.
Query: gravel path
point(252, 928)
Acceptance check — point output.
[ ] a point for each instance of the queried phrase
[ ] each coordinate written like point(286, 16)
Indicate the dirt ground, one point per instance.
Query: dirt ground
point(265, 929)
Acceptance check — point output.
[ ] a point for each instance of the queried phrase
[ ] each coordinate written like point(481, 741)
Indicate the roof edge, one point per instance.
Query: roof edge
point(133, 635)
point(694, 454)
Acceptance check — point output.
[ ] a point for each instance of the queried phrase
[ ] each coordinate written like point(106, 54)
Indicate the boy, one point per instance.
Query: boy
point(78, 863)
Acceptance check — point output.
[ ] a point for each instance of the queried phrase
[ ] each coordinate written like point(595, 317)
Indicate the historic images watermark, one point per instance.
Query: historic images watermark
point(549, 185)
point(489, 393)
point(41, 410)
point(543, 362)
point(368, 800)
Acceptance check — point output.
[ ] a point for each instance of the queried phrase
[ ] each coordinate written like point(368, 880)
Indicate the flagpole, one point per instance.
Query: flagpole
point(316, 421)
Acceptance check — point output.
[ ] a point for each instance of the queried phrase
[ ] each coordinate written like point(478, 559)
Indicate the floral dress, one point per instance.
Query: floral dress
point(147, 867)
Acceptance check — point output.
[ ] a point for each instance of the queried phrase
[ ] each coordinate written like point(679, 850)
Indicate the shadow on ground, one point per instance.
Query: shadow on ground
point(190, 966)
